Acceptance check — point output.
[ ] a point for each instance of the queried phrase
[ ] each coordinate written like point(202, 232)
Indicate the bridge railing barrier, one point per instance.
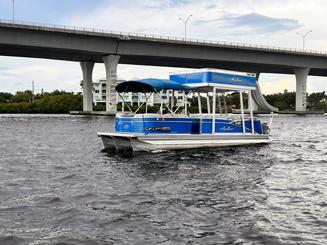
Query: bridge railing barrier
point(56, 27)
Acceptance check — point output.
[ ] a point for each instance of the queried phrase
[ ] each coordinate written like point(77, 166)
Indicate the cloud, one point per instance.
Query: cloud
point(255, 22)
point(165, 4)
point(274, 83)
point(244, 21)
point(47, 74)
point(263, 23)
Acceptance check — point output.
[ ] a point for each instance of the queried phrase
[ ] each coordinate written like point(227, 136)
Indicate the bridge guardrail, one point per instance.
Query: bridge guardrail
point(166, 38)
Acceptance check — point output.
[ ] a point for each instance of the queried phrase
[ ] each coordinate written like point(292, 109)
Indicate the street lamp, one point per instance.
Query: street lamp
point(304, 37)
point(185, 23)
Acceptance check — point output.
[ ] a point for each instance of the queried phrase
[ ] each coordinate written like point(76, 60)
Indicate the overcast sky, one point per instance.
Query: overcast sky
point(266, 22)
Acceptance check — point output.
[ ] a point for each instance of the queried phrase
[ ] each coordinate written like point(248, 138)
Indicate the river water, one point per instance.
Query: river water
point(58, 187)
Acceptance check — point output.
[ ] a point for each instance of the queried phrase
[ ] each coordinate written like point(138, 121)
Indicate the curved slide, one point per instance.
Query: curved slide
point(261, 101)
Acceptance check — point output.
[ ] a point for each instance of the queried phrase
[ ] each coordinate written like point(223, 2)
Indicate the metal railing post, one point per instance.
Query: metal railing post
point(214, 111)
point(251, 110)
point(242, 112)
point(200, 111)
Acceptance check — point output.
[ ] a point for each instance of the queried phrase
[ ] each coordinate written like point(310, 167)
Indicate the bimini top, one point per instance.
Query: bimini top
point(222, 80)
point(150, 85)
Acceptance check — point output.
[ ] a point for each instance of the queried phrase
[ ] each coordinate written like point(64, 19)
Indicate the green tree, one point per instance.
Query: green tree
point(283, 101)
point(5, 97)
point(22, 96)
point(317, 100)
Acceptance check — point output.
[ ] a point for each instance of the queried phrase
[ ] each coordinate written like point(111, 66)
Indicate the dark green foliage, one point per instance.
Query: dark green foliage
point(5, 97)
point(99, 107)
point(283, 101)
point(317, 101)
point(286, 101)
point(56, 102)
point(25, 96)
point(64, 102)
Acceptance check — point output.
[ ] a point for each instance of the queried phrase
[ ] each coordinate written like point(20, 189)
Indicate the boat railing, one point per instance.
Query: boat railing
point(195, 116)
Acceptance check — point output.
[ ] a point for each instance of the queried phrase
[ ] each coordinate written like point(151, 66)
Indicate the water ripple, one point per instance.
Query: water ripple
point(58, 187)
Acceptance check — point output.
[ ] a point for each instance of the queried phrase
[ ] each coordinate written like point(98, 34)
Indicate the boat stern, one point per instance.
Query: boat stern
point(117, 142)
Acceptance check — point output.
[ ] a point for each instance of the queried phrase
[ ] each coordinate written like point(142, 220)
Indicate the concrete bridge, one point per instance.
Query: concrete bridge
point(89, 46)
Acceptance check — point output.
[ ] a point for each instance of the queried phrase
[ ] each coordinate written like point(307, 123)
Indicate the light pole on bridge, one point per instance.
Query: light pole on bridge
point(304, 37)
point(185, 24)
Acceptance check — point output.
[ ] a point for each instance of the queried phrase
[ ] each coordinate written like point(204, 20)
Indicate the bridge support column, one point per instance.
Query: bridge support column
point(87, 70)
point(111, 63)
point(301, 88)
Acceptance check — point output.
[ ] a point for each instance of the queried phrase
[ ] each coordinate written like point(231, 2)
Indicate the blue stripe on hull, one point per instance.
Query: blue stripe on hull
point(181, 126)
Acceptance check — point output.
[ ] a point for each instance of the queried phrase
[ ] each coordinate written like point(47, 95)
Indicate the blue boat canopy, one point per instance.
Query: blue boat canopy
point(150, 85)
point(213, 78)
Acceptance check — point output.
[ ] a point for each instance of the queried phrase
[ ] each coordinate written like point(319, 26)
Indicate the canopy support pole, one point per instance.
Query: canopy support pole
point(225, 103)
point(200, 111)
point(172, 113)
point(208, 104)
point(178, 108)
point(123, 106)
point(123, 101)
point(161, 104)
point(214, 111)
point(251, 111)
point(146, 102)
point(122, 98)
point(199, 104)
point(172, 99)
point(146, 99)
point(185, 103)
point(146, 107)
point(219, 105)
point(242, 111)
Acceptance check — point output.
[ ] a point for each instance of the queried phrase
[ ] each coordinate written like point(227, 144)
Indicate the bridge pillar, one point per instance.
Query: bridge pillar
point(111, 63)
point(301, 88)
point(87, 69)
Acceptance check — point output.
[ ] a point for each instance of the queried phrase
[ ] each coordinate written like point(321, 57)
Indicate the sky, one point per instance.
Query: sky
point(263, 22)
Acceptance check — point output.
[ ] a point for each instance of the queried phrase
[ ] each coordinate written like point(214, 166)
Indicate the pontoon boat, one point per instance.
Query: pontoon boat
point(169, 130)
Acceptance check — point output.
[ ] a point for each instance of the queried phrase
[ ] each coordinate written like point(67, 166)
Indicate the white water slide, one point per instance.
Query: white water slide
point(258, 98)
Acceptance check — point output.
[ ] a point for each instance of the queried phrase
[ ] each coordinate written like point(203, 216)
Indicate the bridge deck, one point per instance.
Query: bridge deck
point(79, 44)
